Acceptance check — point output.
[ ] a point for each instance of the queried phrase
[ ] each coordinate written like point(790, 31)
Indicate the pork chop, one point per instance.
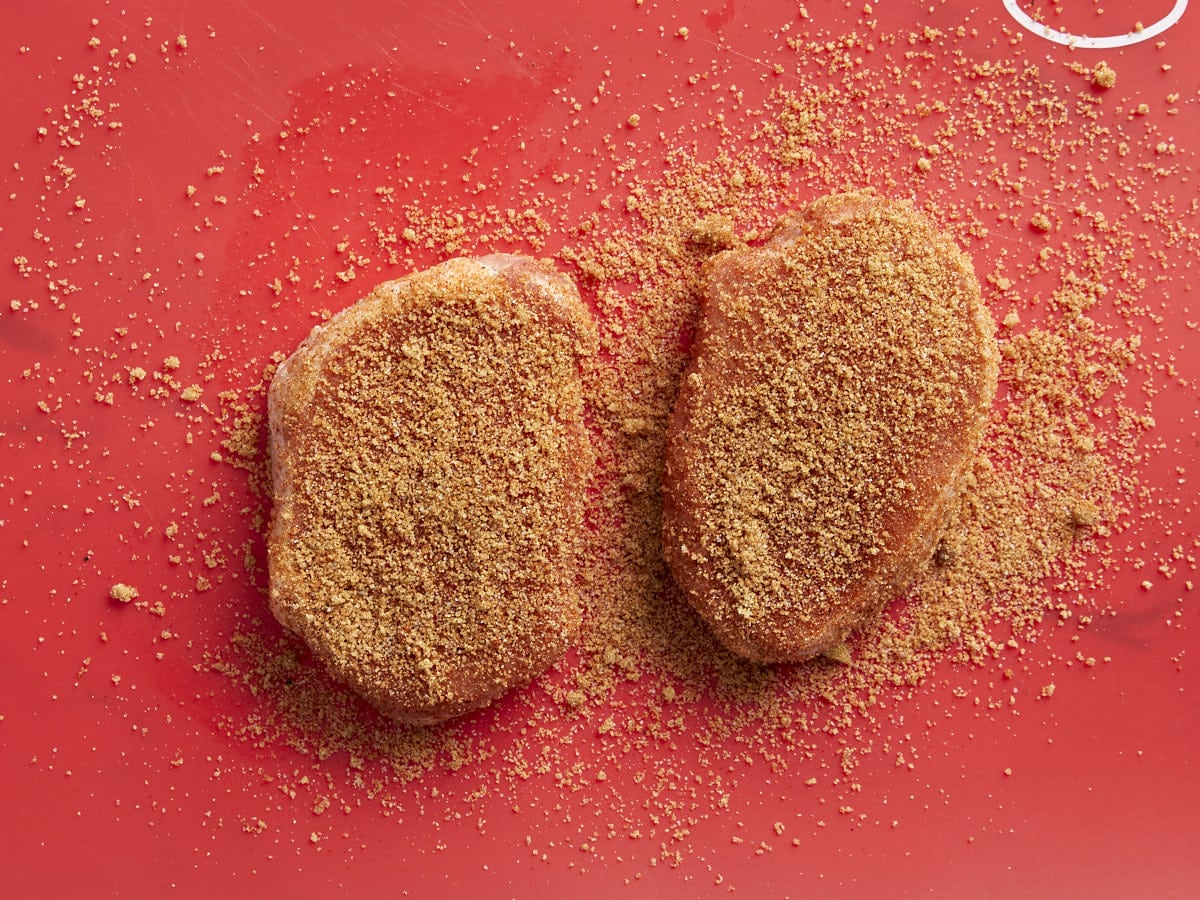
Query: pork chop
point(429, 460)
point(839, 386)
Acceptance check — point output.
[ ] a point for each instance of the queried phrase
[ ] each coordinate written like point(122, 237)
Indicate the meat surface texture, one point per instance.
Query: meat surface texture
point(429, 463)
point(839, 386)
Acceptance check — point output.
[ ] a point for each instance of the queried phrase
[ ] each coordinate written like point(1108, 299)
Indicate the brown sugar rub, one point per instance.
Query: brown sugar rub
point(839, 386)
point(429, 463)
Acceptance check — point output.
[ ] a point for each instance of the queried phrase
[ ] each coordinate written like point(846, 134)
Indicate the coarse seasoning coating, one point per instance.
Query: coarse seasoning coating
point(429, 464)
point(840, 384)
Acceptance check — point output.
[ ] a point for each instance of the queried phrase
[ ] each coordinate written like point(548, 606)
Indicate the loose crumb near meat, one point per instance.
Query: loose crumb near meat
point(1071, 190)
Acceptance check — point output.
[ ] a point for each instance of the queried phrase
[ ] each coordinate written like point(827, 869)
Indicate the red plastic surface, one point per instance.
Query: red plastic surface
point(128, 787)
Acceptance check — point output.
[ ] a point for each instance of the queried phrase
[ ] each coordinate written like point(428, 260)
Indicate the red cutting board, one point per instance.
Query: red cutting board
point(120, 775)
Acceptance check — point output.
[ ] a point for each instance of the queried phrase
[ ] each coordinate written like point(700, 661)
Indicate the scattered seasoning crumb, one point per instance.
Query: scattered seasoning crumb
point(123, 592)
point(1103, 76)
point(1084, 514)
point(840, 653)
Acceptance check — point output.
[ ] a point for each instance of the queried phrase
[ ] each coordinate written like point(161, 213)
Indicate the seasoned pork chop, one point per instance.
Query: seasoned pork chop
point(840, 384)
point(429, 460)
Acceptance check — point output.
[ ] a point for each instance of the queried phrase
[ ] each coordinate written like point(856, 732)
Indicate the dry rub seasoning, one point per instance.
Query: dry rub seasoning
point(1028, 543)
